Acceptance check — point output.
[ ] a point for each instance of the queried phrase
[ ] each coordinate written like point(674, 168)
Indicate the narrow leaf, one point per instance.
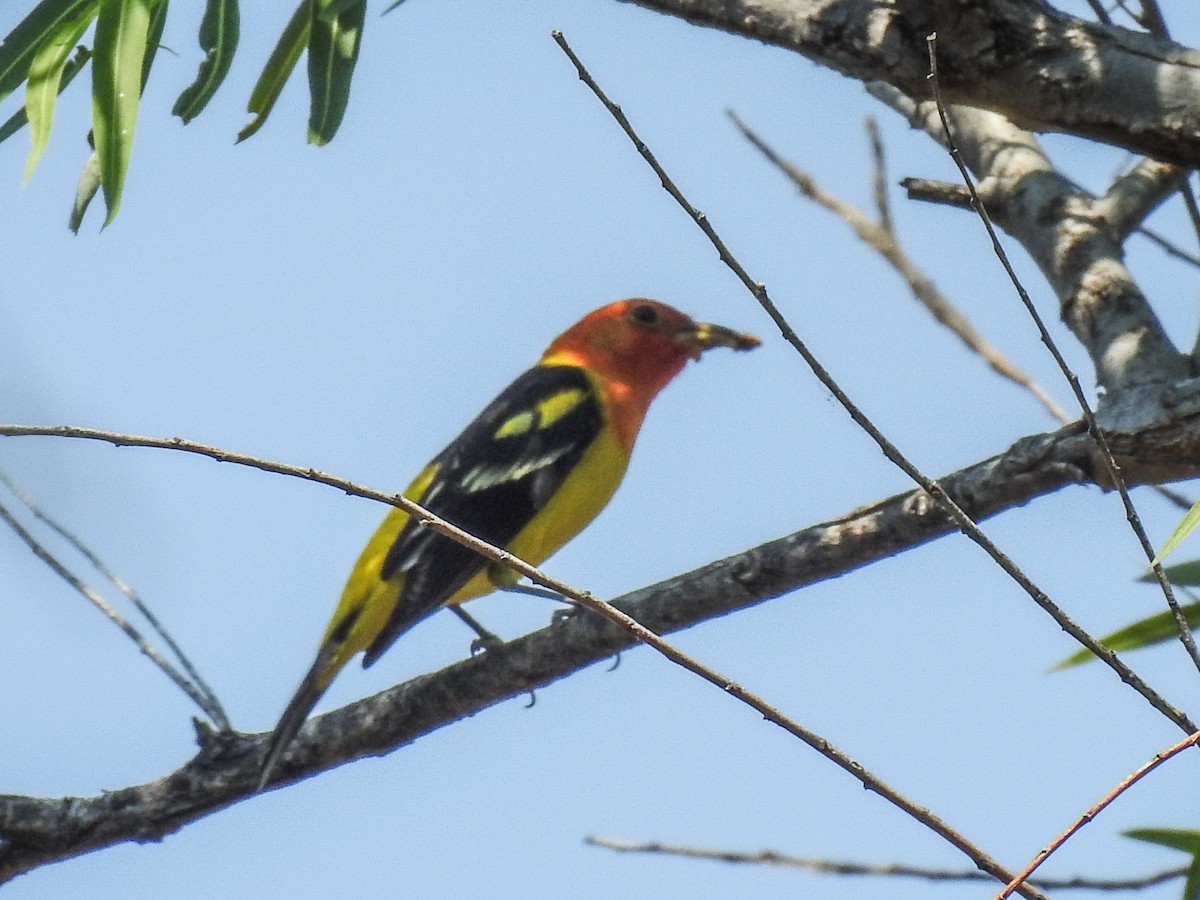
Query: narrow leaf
point(331, 9)
point(278, 69)
point(89, 184)
point(1188, 524)
point(158, 20)
point(17, 120)
point(89, 179)
point(332, 53)
point(1187, 573)
point(219, 40)
point(1184, 839)
point(45, 81)
point(1154, 630)
point(21, 44)
point(1177, 839)
point(122, 35)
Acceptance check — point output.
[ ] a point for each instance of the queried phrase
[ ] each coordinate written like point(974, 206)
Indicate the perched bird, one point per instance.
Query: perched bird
point(533, 469)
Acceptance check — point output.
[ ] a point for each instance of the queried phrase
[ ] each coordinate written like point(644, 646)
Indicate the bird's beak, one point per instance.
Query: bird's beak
point(701, 336)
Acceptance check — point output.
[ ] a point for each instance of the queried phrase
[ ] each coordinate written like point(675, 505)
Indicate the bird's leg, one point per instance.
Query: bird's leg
point(534, 590)
point(559, 615)
point(485, 640)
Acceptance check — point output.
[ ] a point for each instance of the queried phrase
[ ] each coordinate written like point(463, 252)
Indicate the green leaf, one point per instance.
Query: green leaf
point(1184, 839)
point(17, 120)
point(45, 81)
point(122, 36)
point(1188, 524)
point(1154, 630)
point(332, 53)
point(1187, 573)
point(89, 184)
point(90, 180)
point(21, 44)
point(218, 40)
point(1177, 839)
point(158, 19)
point(329, 10)
point(278, 69)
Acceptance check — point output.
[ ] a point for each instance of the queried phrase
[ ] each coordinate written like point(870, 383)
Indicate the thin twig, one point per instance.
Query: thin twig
point(930, 190)
point(1126, 783)
point(1110, 464)
point(1193, 211)
point(881, 238)
point(113, 616)
point(427, 519)
point(1124, 7)
point(1101, 13)
point(1173, 497)
point(956, 513)
point(1169, 248)
point(888, 870)
point(213, 708)
point(879, 181)
point(1152, 19)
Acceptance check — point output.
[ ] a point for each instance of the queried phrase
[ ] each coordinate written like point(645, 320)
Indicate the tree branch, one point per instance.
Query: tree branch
point(887, 870)
point(1033, 64)
point(881, 237)
point(1161, 442)
point(1065, 231)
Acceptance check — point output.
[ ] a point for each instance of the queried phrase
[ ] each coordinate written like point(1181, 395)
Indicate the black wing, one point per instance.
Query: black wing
point(491, 481)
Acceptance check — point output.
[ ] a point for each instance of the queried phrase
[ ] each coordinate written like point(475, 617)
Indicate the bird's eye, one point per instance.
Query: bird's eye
point(644, 314)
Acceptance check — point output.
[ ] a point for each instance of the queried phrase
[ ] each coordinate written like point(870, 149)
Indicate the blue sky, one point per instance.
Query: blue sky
point(351, 307)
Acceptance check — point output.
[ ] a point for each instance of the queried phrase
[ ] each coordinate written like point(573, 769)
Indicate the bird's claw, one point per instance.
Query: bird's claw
point(561, 615)
point(485, 642)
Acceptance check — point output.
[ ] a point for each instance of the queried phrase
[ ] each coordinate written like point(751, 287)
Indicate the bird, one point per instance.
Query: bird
point(535, 467)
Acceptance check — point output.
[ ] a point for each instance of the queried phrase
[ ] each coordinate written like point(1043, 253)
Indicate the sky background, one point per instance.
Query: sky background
point(350, 308)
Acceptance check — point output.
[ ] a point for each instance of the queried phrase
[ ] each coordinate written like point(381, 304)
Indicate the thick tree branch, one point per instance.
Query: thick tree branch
point(1070, 236)
point(1039, 67)
point(1154, 437)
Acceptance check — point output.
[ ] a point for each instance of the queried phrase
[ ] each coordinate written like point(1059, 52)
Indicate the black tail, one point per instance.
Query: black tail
point(301, 704)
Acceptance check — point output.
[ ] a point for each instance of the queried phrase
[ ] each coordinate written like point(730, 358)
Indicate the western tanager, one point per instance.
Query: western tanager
point(532, 470)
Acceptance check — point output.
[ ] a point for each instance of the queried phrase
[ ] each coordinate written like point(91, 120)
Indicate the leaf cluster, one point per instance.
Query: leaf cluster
point(124, 38)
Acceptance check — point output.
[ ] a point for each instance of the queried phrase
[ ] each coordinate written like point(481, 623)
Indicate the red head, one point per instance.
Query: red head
point(635, 347)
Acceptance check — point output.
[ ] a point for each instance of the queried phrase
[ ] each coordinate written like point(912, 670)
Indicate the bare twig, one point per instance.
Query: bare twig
point(1152, 19)
point(1193, 210)
point(1114, 471)
point(879, 182)
point(215, 713)
point(581, 598)
point(1126, 783)
point(1169, 248)
point(881, 238)
point(1100, 12)
point(1171, 496)
point(889, 870)
point(931, 190)
point(961, 519)
point(212, 707)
